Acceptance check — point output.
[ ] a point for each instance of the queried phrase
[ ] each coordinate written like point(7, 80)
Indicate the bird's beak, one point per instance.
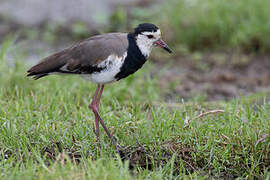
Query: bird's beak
point(163, 45)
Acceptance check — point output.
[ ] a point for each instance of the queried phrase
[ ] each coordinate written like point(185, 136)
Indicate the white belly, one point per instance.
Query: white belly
point(113, 64)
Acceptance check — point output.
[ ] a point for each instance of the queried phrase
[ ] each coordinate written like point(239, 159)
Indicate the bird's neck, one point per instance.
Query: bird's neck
point(141, 50)
point(144, 46)
point(134, 59)
point(138, 49)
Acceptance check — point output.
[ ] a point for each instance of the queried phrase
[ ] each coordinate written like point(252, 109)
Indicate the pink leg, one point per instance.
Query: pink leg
point(94, 106)
point(99, 96)
point(93, 102)
point(117, 147)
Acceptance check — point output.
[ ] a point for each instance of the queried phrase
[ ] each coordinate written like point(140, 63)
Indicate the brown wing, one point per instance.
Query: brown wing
point(83, 57)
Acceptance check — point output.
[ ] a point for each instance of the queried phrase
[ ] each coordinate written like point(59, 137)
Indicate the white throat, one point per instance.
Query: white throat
point(145, 46)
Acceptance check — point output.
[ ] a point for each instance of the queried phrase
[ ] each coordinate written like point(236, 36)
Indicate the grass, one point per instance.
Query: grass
point(212, 24)
point(46, 131)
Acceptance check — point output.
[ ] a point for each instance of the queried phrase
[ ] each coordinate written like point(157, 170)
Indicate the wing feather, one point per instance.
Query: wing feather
point(83, 57)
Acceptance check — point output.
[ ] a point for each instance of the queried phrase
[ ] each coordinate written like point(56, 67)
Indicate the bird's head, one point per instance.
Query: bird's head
point(148, 35)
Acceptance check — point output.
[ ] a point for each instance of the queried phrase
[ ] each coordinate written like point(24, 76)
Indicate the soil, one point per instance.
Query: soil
point(213, 79)
point(148, 158)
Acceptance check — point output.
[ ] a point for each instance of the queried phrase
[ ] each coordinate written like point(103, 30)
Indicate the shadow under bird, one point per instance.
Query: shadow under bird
point(103, 59)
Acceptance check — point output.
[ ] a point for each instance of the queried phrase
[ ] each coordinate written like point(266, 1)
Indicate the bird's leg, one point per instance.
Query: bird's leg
point(92, 105)
point(99, 96)
point(95, 108)
point(106, 130)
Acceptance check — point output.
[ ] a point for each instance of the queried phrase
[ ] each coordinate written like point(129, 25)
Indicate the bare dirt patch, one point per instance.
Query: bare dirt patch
point(216, 77)
point(184, 158)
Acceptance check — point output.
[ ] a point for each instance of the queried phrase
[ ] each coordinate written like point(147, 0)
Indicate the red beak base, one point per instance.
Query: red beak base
point(163, 45)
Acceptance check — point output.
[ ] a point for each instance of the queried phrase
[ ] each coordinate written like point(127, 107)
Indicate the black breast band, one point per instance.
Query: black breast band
point(133, 61)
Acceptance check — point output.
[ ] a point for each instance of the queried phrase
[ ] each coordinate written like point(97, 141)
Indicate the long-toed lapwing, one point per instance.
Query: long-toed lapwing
point(103, 59)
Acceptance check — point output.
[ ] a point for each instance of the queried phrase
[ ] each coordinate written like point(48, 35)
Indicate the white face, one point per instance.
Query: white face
point(146, 40)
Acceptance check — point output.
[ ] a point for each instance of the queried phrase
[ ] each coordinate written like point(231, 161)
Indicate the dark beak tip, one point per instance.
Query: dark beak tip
point(163, 45)
point(168, 49)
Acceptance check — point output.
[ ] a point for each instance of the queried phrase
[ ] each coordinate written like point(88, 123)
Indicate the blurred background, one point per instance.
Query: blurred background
point(221, 46)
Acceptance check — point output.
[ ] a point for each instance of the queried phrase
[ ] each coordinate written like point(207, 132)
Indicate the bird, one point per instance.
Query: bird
point(103, 59)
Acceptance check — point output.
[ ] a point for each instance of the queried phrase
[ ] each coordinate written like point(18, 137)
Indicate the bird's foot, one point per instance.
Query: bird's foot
point(116, 145)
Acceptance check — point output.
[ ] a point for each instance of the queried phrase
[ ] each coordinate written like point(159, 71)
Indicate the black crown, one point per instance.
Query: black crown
point(145, 27)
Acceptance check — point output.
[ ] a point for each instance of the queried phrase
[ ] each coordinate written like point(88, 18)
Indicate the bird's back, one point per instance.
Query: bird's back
point(83, 57)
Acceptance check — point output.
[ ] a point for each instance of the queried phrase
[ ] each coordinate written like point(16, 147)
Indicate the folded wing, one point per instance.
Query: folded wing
point(83, 57)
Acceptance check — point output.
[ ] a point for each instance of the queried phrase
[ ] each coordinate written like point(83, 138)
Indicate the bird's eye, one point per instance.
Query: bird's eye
point(150, 36)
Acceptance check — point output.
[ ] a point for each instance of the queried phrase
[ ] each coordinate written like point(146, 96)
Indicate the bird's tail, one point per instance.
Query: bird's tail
point(49, 65)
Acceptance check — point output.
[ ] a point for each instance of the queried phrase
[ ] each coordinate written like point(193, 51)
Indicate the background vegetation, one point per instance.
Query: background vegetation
point(222, 24)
